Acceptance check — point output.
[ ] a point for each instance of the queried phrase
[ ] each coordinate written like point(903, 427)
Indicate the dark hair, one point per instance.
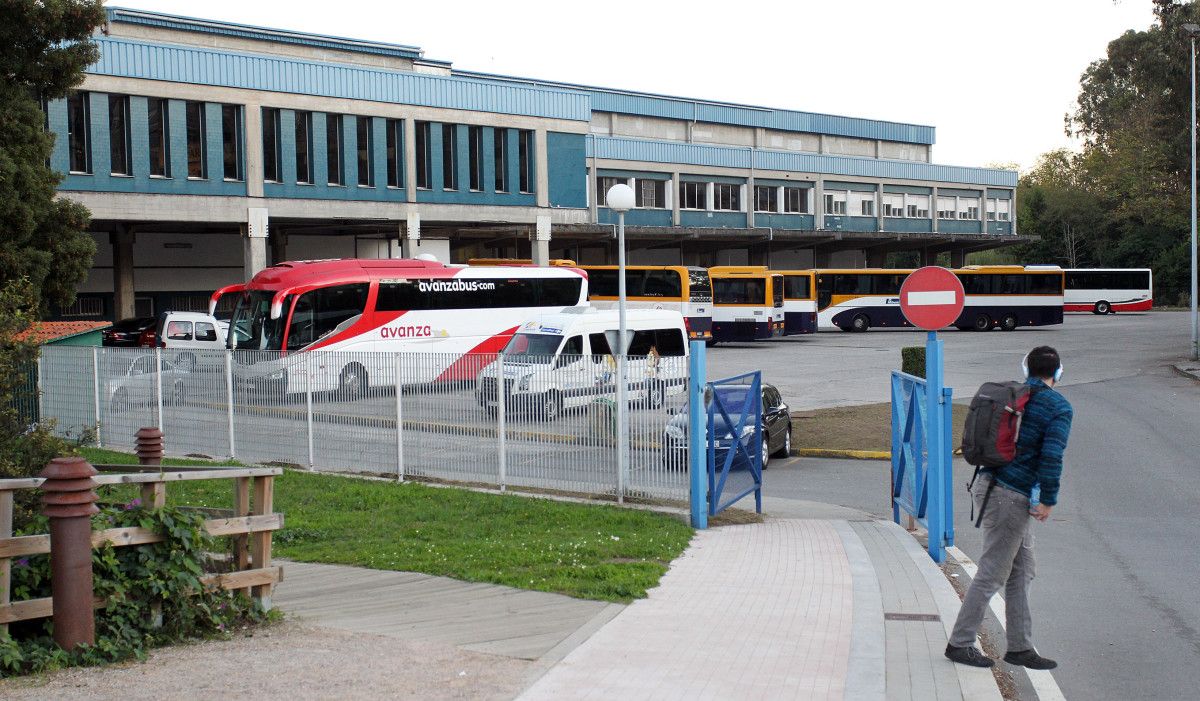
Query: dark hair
point(1043, 362)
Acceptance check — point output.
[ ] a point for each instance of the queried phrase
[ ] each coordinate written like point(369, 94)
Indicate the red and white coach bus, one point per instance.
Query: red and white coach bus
point(1108, 290)
point(457, 314)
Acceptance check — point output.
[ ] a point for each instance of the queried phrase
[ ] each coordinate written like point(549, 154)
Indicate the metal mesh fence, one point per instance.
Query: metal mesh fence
point(541, 422)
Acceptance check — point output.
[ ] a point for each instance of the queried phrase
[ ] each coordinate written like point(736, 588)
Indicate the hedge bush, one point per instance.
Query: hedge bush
point(912, 360)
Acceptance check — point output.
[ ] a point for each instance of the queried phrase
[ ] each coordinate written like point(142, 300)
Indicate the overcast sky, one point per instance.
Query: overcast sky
point(995, 78)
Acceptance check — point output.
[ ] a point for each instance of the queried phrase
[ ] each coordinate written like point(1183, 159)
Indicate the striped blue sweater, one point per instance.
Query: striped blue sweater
point(1040, 446)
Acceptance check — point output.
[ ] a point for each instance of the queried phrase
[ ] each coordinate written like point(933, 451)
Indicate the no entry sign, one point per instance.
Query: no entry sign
point(931, 298)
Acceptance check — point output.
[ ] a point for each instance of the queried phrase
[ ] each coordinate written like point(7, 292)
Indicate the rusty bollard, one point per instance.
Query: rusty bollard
point(149, 446)
point(69, 500)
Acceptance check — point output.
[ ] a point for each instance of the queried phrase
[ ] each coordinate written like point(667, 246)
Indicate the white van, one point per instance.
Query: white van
point(562, 361)
point(191, 340)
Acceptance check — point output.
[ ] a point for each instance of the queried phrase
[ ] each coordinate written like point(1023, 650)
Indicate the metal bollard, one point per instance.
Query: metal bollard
point(149, 446)
point(69, 500)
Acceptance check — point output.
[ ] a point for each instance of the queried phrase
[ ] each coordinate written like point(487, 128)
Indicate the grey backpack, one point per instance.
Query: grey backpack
point(994, 421)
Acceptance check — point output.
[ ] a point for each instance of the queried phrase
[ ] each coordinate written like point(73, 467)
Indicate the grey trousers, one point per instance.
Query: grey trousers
point(1007, 562)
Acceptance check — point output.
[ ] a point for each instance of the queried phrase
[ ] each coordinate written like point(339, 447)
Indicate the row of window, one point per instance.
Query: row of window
point(158, 142)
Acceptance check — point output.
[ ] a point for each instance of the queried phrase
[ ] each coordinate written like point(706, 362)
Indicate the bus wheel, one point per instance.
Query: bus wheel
point(1008, 323)
point(353, 382)
point(982, 323)
point(860, 323)
point(551, 406)
point(1102, 307)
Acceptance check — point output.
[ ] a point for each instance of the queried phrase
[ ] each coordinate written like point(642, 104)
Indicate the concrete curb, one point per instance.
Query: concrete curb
point(852, 454)
point(1188, 369)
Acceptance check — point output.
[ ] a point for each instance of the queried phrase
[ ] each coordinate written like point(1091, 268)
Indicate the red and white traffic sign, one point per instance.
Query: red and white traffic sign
point(931, 298)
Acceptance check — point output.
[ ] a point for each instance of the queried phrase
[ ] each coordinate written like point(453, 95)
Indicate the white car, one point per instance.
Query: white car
point(138, 385)
point(192, 340)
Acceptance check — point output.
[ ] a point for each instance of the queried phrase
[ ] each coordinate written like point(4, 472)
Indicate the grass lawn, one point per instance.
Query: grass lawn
point(862, 427)
point(583, 550)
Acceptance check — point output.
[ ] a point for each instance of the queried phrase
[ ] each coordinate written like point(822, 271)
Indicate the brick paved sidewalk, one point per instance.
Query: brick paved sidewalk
point(790, 608)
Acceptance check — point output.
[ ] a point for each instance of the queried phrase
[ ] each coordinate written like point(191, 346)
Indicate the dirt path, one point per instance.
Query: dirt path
point(289, 660)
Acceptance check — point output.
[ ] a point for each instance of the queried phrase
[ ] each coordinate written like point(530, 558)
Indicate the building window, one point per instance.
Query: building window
point(861, 203)
point(85, 306)
point(196, 141)
point(449, 156)
point(335, 149)
point(304, 166)
point(727, 198)
point(917, 206)
point(945, 207)
point(693, 195)
point(605, 183)
point(78, 137)
point(395, 152)
point(968, 208)
point(475, 157)
point(766, 198)
point(835, 202)
point(159, 131)
point(270, 139)
point(795, 200)
point(525, 159)
point(366, 154)
point(424, 156)
point(651, 194)
point(118, 135)
point(1003, 209)
point(893, 204)
point(231, 141)
point(501, 137)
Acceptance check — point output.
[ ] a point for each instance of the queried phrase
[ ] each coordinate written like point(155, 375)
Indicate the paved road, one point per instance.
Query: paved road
point(1115, 596)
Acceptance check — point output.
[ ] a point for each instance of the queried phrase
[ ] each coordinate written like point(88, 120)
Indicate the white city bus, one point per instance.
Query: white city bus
point(458, 315)
point(1109, 290)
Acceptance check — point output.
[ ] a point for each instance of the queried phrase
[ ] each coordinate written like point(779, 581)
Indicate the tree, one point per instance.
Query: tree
point(45, 46)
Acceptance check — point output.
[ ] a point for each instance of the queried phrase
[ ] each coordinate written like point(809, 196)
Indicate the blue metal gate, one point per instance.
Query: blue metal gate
point(734, 440)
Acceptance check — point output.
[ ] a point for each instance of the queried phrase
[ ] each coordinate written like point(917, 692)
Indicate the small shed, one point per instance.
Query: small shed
point(65, 333)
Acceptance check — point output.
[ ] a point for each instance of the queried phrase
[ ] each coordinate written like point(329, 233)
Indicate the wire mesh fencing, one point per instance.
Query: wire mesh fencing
point(544, 422)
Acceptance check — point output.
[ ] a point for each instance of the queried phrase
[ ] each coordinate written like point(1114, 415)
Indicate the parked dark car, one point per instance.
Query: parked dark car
point(127, 333)
point(776, 429)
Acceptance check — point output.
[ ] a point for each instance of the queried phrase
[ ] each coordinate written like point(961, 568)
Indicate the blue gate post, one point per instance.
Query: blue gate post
point(937, 465)
point(948, 501)
point(697, 443)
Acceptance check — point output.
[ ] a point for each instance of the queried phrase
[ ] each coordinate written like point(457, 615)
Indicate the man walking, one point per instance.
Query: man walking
point(1003, 495)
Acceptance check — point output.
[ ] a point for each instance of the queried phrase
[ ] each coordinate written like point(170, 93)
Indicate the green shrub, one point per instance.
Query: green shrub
point(912, 360)
point(131, 580)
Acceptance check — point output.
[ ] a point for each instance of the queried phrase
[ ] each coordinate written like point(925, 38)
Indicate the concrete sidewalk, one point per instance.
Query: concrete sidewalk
point(790, 608)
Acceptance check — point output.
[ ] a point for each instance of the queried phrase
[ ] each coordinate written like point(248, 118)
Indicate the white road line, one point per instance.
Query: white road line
point(1042, 680)
point(923, 299)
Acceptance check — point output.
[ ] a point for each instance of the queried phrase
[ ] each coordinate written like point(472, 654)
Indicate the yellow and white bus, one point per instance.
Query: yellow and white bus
point(997, 296)
point(799, 301)
point(747, 303)
point(676, 287)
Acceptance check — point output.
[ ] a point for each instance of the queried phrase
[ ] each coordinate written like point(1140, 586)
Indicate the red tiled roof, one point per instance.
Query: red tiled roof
point(46, 331)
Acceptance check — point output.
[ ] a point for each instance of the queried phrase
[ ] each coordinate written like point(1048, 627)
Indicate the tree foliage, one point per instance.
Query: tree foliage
point(1123, 199)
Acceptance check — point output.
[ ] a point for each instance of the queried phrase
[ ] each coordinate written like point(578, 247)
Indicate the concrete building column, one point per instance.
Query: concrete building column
point(540, 244)
point(254, 241)
point(675, 183)
point(541, 161)
point(123, 287)
point(592, 196)
point(254, 150)
point(819, 203)
point(933, 208)
point(410, 237)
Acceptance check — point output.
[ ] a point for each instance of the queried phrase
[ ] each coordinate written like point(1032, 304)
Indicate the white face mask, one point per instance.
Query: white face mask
point(1025, 368)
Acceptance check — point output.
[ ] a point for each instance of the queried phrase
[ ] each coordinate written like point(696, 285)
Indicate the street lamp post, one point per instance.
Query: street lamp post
point(1193, 30)
point(620, 199)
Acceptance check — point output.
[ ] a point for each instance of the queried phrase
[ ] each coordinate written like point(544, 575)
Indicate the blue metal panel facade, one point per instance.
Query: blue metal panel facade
point(200, 66)
point(910, 189)
point(567, 168)
point(1000, 194)
point(909, 226)
point(843, 223)
point(636, 217)
point(623, 149)
point(999, 227)
point(959, 226)
point(856, 187)
point(721, 220)
point(798, 222)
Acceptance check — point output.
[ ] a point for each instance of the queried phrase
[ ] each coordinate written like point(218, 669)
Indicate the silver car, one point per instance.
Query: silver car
point(138, 386)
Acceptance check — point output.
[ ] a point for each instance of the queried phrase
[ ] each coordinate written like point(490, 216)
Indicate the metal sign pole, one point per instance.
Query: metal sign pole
point(697, 443)
point(938, 442)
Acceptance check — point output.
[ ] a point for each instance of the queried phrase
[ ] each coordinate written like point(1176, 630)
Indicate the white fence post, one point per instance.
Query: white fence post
point(158, 385)
point(308, 413)
point(96, 395)
point(501, 400)
point(399, 423)
point(229, 404)
point(41, 407)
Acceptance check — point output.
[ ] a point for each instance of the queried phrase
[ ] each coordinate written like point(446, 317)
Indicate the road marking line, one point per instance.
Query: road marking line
point(929, 298)
point(1042, 681)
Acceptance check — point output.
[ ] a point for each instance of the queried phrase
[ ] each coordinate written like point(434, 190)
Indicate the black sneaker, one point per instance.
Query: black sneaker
point(1030, 659)
point(968, 656)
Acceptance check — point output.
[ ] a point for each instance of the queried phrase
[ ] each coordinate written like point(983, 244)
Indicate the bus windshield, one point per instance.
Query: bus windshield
point(251, 327)
point(739, 291)
point(532, 348)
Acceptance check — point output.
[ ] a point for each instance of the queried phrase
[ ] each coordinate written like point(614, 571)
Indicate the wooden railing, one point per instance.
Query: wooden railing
point(251, 527)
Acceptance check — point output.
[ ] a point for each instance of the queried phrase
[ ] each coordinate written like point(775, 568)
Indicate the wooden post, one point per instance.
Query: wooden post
point(154, 495)
point(241, 507)
point(260, 543)
point(6, 519)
